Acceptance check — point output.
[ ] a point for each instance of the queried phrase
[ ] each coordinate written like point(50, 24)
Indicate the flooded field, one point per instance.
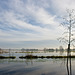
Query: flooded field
point(36, 66)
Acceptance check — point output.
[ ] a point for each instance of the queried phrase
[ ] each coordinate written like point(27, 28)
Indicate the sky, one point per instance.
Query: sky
point(32, 23)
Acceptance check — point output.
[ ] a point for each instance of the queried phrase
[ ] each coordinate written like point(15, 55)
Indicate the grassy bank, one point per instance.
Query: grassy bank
point(35, 57)
point(8, 57)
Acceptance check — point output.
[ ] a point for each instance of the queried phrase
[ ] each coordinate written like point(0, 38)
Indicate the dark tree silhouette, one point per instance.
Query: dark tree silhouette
point(69, 24)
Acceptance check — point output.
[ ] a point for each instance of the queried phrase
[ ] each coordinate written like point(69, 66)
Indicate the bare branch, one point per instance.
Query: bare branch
point(69, 24)
point(73, 40)
point(62, 40)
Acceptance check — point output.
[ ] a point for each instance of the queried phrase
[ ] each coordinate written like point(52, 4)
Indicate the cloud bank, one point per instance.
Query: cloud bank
point(31, 20)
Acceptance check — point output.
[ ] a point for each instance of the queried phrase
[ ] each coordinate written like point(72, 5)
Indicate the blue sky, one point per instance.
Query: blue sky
point(32, 23)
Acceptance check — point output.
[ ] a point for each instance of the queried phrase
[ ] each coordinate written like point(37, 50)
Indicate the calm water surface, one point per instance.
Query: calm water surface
point(35, 66)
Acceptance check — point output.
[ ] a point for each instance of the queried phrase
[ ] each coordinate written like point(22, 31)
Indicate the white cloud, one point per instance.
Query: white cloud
point(12, 19)
point(17, 20)
point(60, 6)
point(30, 10)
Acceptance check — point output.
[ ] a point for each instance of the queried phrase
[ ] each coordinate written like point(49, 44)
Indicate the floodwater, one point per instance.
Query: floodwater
point(37, 66)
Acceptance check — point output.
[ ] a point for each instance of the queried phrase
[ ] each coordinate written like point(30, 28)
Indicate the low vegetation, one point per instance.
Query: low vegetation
point(34, 57)
point(8, 57)
point(31, 56)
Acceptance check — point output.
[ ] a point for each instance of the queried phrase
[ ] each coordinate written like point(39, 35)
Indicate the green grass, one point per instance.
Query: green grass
point(31, 56)
point(28, 56)
point(8, 57)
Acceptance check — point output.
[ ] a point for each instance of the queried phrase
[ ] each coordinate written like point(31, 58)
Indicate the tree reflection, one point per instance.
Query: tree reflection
point(29, 61)
point(69, 69)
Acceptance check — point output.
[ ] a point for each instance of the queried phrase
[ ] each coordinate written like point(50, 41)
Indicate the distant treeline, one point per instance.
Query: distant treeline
point(61, 49)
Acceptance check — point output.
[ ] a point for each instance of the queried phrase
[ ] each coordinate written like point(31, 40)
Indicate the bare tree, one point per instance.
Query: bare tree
point(69, 24)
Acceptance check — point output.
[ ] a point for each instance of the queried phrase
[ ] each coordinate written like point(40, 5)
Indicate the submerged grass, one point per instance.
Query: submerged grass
point(34, 57)
point(31, 56)
point(8, 57)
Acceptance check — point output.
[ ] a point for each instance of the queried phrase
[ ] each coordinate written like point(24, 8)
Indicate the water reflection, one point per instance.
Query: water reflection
point(69, 68)
point(29, 61)
point(36, 66)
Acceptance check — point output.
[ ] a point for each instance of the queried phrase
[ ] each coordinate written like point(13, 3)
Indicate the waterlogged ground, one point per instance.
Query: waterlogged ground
point(35, 66)
point(32, 67)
